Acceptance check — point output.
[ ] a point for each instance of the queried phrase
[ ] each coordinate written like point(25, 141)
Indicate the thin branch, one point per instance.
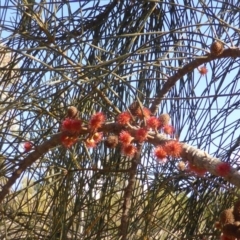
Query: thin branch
point(230, 52)
point(128, 194)
point(196, 156)
point(28, 161)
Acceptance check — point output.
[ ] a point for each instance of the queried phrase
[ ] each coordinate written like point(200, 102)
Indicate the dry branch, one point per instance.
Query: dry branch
point(193, 155)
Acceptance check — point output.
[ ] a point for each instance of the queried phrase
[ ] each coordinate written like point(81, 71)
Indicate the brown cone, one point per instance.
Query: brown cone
point(164, 119)
point(227, 217)
point(232, 230)
point(72, 112)
point(111, 141)
point(236, 210)
point(216, 48)
point(181, 166)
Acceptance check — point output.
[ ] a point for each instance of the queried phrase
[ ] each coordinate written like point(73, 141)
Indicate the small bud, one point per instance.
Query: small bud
point(181, 166)
point(164, 119)
point(111, 141)
point(216, 48)
point(72, 112)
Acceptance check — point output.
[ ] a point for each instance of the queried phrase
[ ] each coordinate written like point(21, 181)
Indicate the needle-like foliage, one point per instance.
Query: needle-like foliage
point(88, 62)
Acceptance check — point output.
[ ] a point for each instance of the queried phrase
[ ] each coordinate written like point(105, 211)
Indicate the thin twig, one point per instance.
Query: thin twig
point(230, 52)
point(123, 229)
point(196, 156)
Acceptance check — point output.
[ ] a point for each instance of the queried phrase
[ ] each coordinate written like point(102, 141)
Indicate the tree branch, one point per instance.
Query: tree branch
point(193, 155)
point(230, 52)
point(128, 194)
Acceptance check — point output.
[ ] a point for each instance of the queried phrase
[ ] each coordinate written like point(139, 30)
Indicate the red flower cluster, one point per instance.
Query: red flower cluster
point(153, 122)
point(68, 141)
point(172, 149)
point(129, 150)
point(96, 121)
point(143, 113)
point(141, 134)
point(223, 169)
point(124, 118)
point(125, 138)
point(160, 153)
point(203, 70)
point(72, 126)
point(94, 140)
point(197, 170)
point(168, 129)
point(90, 143)
point(27, 146)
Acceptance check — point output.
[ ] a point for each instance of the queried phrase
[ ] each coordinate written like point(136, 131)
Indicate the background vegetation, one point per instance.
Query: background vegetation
point(101, 56)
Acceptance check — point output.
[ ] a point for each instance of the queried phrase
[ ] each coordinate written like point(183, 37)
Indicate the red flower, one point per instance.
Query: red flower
point(160, 153)
point(71, 126)
point(97, 137)
point(96, 121)
point(27, 146)
point(125, 138)
point(68, 141)
point(90, 143)
point(223, 169)
point(202, 70)
point(197, 170)
point(153, 122)
point(77, 125)
point(124, 118)
point(168, 129)
point(129, 150)
point(67, 124)
point(173, 148)
point(143, 113)
point(141, 134)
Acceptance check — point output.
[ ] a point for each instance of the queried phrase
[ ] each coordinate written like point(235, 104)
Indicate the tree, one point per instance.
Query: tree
point(73, 72)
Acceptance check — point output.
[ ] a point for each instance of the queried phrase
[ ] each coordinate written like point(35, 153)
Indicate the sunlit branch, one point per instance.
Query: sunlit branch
point(230, 52)
point(193, 155)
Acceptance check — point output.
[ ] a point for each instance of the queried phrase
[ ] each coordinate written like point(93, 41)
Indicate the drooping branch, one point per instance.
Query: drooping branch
point(193, 155)
point(233, 52)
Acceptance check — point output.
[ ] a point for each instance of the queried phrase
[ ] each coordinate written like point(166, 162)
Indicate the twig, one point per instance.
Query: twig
point(196, 156)
point(230, 52)
point(123, 229)
point(28, 161)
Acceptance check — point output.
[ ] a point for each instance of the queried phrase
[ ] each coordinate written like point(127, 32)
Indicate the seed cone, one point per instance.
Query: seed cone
point(72, 112)
point(164, 119)
point(216, 48)
point(133, 108)
point(232, 230)
point(111, 141)
point(236, 210)
point(181, 166)
point(227, 217)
